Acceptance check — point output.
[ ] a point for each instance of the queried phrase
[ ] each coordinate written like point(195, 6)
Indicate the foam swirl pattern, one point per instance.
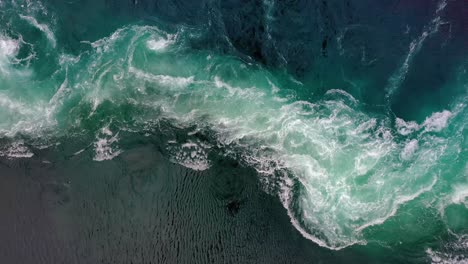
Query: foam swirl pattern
point(340, 168)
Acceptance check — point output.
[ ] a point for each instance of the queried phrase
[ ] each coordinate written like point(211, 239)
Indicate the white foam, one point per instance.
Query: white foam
point(104, 150)
point(396, 204)
point(343, 93)
point(460, 195)
point(57, 100)
point(437, 121)
point(67, 59)
point(458, 256)
point(8, 50)
point(44, 28)
point(446, 258)
point(405, 128)
point(410, 148)
point(104, 145)
point(193, 155)
point(79, 152)
point(237, 91)
point(17, 150)
point(160, 43)
point(8, 47)
point(441, 6)
point(397, 78)
point(13, 105)
point(22, 117)
point(166, 80)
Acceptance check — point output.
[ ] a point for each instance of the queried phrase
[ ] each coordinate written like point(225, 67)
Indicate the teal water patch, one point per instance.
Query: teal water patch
point(346, 174)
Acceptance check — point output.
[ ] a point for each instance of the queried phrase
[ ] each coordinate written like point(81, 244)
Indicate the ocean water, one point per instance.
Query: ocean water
point(257, 131)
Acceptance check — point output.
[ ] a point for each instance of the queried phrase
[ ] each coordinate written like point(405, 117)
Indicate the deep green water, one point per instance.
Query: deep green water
point(233, 132)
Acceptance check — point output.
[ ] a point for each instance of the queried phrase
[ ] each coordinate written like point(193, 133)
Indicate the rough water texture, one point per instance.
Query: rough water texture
point(359, 133)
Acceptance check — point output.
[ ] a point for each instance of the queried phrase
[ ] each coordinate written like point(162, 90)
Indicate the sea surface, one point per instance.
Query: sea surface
point(233, 131)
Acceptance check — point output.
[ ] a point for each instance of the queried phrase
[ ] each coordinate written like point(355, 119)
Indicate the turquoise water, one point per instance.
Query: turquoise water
point(358, 142)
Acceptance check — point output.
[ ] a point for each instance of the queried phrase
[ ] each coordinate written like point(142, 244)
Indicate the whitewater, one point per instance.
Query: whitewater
point(340, 170)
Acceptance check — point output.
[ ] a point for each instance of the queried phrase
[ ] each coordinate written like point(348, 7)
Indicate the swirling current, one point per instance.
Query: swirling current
point(338, 127)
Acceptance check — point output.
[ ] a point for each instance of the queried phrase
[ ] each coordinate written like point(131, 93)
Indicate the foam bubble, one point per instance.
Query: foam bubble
point(104, 44)
point(21, 117)
point(342, 93)
point(405, 128)
point(44, 28)
point(437, 121)
point(459, 195)
point(446, 258)
point(166, 80)
point(233, 91)
point(191, 154)
point(160, 43)
point(104, 145)
point(397, 78)
point(17, 150)
point(410, 149)
point(459, 247)
point(8, 47)
point(8, 50)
